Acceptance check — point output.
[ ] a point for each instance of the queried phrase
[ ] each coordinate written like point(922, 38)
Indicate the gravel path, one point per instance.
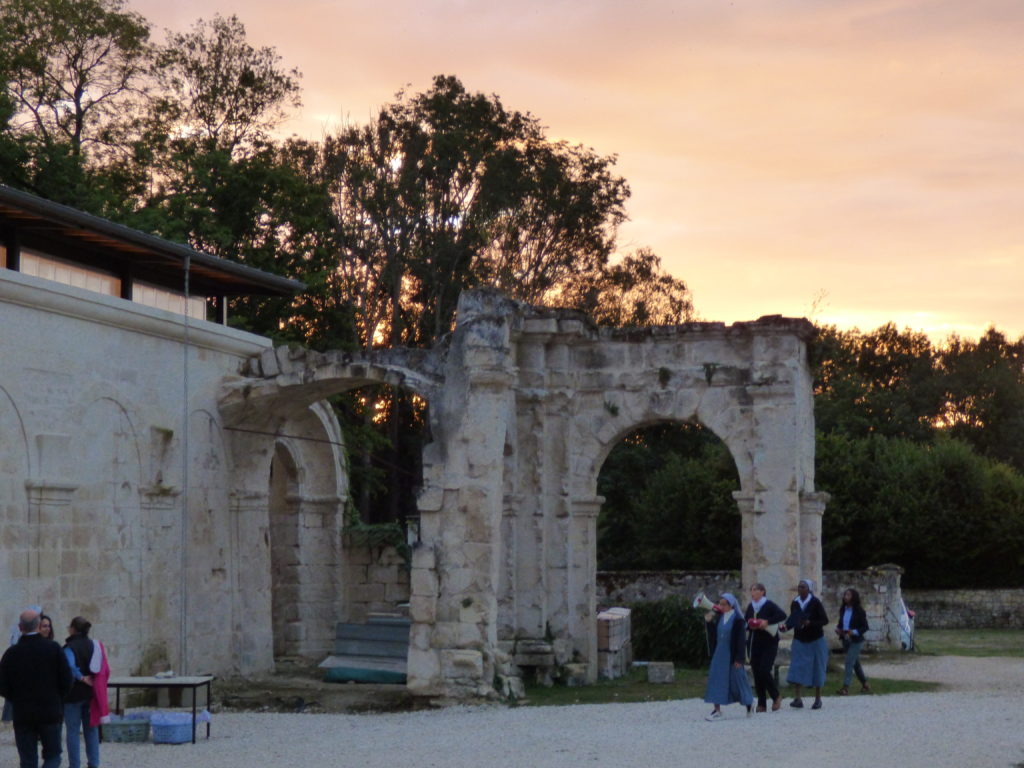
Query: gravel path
point(977, 725)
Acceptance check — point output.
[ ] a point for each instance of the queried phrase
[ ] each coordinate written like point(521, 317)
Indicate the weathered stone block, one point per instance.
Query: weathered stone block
point(456, 663)
point(661, 672)
point(423, 609)
point(574, 675)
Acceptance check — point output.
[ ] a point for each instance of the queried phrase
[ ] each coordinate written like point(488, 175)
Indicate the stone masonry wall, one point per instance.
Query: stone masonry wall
point(967, 608)
point(376, 581)
point(879, 588)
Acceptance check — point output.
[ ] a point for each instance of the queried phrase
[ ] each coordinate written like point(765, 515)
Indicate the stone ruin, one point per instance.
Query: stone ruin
point(525, 405)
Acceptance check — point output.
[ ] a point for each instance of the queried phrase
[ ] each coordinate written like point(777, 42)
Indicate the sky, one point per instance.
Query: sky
point(852, 161)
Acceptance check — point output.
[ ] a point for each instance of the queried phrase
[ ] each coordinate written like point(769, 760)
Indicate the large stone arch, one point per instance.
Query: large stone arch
point(525, 404)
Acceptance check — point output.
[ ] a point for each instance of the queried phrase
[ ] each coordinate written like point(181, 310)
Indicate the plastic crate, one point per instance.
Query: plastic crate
point(126, 729)
point(171, 727)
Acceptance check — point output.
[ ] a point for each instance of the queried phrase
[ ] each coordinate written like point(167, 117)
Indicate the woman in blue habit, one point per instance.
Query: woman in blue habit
point(727, 677)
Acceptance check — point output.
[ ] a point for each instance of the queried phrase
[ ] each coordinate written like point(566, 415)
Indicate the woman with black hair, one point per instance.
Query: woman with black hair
point(82, 658)
point(809, 652)
point(852, 625)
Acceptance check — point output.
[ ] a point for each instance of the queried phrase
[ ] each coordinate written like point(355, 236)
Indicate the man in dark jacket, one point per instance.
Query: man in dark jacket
point(35, 676)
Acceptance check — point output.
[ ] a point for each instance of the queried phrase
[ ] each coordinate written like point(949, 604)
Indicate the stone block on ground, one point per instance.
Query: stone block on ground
point(661, 672)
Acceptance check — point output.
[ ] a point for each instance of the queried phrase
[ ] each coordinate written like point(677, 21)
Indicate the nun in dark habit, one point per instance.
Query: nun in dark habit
point(809, 652)
point(727, 679)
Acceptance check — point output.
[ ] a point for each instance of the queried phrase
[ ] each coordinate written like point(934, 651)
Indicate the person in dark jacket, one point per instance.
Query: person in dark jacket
point(763, 645)
point(35, 677)
point(80, 652)
point(809, 652)
point(727, 679)
point(851, 628)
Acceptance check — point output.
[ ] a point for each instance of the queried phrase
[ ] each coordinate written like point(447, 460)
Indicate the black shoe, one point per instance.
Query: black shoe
point(816, 704)
point(797, 704)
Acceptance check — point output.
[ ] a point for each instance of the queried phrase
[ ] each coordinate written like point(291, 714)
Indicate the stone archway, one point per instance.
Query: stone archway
point(525, 404)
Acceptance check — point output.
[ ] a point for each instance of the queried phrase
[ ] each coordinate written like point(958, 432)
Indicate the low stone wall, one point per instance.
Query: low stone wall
point(879, 588)
point(967, 608)
point(376, 581)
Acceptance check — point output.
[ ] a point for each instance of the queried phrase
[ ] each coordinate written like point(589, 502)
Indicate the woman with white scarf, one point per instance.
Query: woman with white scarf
point(809, 653)
point(727, 678)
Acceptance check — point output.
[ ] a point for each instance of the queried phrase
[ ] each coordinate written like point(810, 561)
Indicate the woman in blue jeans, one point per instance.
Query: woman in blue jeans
point(851, 628)
point(82, 657)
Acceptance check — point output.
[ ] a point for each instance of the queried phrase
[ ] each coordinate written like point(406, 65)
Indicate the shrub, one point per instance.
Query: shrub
point(669, 630)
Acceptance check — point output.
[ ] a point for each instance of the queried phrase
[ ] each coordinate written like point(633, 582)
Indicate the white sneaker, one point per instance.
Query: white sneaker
point(716, 715)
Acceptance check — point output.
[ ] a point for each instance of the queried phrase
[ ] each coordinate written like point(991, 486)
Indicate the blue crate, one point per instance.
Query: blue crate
point(171, 727)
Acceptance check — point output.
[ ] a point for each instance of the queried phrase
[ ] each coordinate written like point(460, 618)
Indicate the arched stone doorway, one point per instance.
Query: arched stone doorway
point(668, 490)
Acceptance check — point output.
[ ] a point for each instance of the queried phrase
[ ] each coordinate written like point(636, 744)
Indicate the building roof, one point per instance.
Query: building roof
point(146, 254)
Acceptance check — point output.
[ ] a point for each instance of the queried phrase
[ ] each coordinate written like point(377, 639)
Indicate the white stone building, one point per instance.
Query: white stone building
point(122, 497)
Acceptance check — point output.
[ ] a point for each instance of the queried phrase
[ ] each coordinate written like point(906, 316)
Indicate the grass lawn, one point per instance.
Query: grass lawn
point(689, 684)
point(969, 642)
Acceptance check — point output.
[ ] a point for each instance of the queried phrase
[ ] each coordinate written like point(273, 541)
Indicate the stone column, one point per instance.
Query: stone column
point(455, 574)
point(812, 508)
point(583, 580)
point(770, 544)
point(319, 575)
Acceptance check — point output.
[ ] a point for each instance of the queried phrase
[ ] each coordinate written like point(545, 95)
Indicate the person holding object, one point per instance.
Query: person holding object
point(34, 677)
point(809, 652)
point(763, 644)
point(84, 663)
point(727, 679)
point(853, 624)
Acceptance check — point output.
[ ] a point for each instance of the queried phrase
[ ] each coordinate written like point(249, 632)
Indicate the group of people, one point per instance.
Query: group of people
point(735, 635)
point(46, 687)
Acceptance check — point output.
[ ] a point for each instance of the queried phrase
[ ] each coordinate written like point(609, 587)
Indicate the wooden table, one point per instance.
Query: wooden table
point(194, 682)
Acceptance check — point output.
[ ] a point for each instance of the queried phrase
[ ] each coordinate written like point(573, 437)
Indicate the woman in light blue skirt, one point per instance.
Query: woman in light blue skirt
point(809, 653)
point(727, 677)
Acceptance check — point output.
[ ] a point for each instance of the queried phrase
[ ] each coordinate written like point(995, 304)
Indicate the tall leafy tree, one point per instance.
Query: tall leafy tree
point(220, 89)
point(984, 391)
point(75, 75)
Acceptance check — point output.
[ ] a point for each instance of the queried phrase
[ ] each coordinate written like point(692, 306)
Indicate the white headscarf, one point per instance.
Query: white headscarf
point(735, 606)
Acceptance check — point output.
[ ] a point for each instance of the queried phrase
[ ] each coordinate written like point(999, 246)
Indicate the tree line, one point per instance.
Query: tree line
point(384, 222)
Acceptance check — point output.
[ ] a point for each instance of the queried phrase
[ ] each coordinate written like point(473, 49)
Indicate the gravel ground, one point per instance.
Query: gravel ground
point(977, 724)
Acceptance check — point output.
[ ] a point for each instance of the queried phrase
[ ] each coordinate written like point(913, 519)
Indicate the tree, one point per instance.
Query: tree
point(74, 72)
point(72, 65)
point(220, 89)
point(984, 394)
point(446, 190)
point(882, 382)
point(633, 291)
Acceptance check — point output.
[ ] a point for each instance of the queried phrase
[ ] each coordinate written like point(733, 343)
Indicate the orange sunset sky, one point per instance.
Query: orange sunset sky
point(853, 161)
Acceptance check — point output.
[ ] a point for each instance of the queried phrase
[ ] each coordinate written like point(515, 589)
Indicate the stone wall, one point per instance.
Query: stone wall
point(125, 498)
point(879, 588)
point(376, 581)
point(967, 608)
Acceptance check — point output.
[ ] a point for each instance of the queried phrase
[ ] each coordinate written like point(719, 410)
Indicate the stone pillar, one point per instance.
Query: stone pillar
point(583, 580)
point(252, 622)
point(812, 508)
point(455, 575)
point(319, 575)
point(770, 546)
point(158, 635)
